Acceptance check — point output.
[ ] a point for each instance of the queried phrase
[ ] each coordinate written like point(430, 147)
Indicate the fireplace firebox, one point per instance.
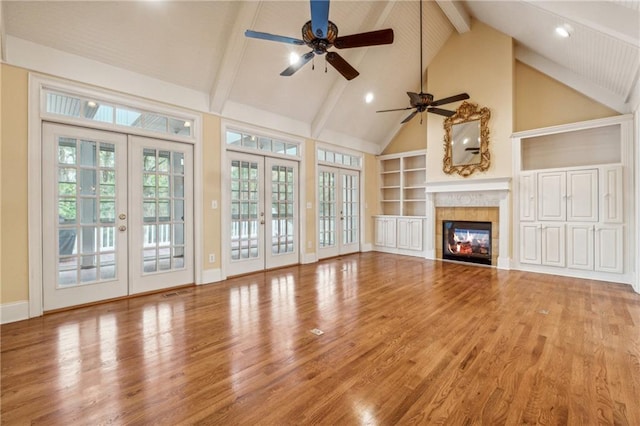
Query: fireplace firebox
point(466, 241)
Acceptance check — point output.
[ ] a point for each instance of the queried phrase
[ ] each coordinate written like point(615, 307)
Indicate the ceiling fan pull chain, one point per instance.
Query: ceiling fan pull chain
point(313, 63)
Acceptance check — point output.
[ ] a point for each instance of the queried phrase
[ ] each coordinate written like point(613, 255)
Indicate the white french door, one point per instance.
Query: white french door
point(117, 215)
point(263, 213)
point(338, 211)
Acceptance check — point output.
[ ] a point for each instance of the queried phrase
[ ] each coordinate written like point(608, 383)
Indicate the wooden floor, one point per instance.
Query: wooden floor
point(405, 340)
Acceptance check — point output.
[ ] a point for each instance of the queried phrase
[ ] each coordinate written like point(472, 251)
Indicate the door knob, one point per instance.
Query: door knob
point(122, 228)
point(122, 216)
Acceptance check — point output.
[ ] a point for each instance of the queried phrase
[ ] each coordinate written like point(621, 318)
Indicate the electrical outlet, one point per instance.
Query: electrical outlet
point(212, 258)
point(214, 204)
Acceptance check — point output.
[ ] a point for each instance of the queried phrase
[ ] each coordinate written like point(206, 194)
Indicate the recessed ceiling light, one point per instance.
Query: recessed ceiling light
point(564, 31)
point(368, 98)
point(293, 58)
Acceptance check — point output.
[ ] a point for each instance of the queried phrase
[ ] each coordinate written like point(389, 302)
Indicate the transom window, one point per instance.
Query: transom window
point(338, 158)
point(262, 143)
point(95, 110)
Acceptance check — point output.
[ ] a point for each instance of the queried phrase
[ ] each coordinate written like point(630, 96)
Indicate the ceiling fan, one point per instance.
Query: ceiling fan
point(320, 34)
point(424, 101)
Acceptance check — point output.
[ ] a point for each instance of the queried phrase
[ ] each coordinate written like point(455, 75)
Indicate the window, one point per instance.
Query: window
point(96, 110)
point(338, 158)
point(262, 143)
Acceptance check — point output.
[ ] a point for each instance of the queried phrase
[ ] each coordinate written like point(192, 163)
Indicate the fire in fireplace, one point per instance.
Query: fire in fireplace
point(466, 241)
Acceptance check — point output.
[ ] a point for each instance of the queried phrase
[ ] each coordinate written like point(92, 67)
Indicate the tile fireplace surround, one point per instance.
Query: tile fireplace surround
point(494, 192)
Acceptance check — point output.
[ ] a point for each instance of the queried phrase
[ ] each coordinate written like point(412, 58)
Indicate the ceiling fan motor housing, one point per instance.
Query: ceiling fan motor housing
point(319, 45)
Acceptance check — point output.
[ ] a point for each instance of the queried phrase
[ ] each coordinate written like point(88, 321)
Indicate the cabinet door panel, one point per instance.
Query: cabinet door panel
point(611, 195)
point(552, 203)
point(530, 243)
point(582, 195)
point(609, 245)
point(404, 233)
point(380, 231)
point(527, 196)
point(390, 233)
point(580, 246)
point(553, 239)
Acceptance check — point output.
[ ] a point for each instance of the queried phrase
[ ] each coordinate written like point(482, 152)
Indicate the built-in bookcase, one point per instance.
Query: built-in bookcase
point(402, 180)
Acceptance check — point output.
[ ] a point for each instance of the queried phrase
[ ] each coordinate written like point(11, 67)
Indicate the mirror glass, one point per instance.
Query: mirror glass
point(466, 140)
point(465, 143)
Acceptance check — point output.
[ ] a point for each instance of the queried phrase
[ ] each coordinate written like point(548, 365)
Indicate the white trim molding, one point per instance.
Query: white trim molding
point(493, 192)
point(14, 311)
point(211, 276)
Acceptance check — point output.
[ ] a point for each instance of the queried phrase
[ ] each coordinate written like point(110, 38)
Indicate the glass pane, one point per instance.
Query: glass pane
point(149, 160)
point(87, 153)
point(164, 158)
point(88, 210)
point(178, 163)
point(249, 141)
point(107, 211)
point(63, 104)
point(67, 271)
point(88, 180)
point(264, 144)
point(97, 112)
point(180, 127)
point(67, 211)
point(164, 211)
point(107, 266)
point(178, 210)
point(149, 260)
point(67, 151)
point(149, 185)
point(321, 155)
point(88, 269)
point(163, 186)
point(278, 147)
point(178, 186)
point(178, 230)
point(292, 149)
point(149, 235)
point(154, 122)
point(127, 117)
point(149, 211)
point(234, 138)
point(66, 241)
point(107, 239)
point(178, 258)
point(88, 243)
point(164, 258)
point(107, 183)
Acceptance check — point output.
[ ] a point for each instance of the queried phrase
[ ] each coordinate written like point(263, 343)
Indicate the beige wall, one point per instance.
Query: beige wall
point(13, 235)
point(211, 190)
point(542, 101)
point(411, 137)
point(310, 197)
point(479, 62)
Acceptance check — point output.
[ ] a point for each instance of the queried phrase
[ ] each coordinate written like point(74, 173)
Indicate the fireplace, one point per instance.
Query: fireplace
point(466, 241)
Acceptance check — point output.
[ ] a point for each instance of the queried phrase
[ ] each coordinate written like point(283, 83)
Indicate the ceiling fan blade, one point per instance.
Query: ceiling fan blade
point(272, 37)
point(295, 67)
point(460, 97)
point(320, 17)
point(397, 109)
point(409, 117)
point(414, 98)
point(372, 38)
point(440, 111)
point(342, 66)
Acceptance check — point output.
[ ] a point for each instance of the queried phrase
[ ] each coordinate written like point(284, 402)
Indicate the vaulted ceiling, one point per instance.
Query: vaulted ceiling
point(200, 46)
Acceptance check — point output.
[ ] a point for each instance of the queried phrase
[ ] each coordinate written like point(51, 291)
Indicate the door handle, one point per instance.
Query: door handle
point(122, 216)
point(122, 228)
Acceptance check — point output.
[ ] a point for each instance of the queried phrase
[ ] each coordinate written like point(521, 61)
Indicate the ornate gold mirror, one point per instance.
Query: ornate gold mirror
point(466, 140)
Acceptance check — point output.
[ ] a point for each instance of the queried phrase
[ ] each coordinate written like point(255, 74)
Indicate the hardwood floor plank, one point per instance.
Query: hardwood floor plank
point(406, 341)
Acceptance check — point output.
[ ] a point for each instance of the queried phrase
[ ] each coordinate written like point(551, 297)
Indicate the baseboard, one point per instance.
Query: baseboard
point(14, 311)
point(211, 276)
point(504, 263)
point(366, 247)
point(309, 258)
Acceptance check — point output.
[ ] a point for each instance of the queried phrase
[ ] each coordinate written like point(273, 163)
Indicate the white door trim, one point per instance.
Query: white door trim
point(34, 153)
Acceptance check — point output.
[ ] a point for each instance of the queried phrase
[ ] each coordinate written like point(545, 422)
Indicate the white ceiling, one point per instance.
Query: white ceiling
point(201, 47)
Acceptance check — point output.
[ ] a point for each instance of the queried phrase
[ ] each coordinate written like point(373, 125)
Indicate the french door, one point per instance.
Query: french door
point(117, 215)
point(338, 211)
point(263, 213)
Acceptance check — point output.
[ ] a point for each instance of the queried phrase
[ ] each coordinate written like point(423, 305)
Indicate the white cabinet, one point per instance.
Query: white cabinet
point(385, 231)
point(611, 195)
point(542, 244)
point(528, 195)
point(553, 239)
point(609, 245)
point(410, 233)
point(580, 248)
point(570, 196)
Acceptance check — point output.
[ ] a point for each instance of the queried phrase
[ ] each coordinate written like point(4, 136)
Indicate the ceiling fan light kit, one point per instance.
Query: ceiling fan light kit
point(320, 34)
point(421, 102)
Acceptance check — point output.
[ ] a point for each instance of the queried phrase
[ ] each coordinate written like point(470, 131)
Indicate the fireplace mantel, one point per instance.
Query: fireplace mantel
point(471, 193)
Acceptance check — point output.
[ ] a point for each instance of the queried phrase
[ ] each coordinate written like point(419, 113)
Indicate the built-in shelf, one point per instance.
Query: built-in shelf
point(403, 179)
